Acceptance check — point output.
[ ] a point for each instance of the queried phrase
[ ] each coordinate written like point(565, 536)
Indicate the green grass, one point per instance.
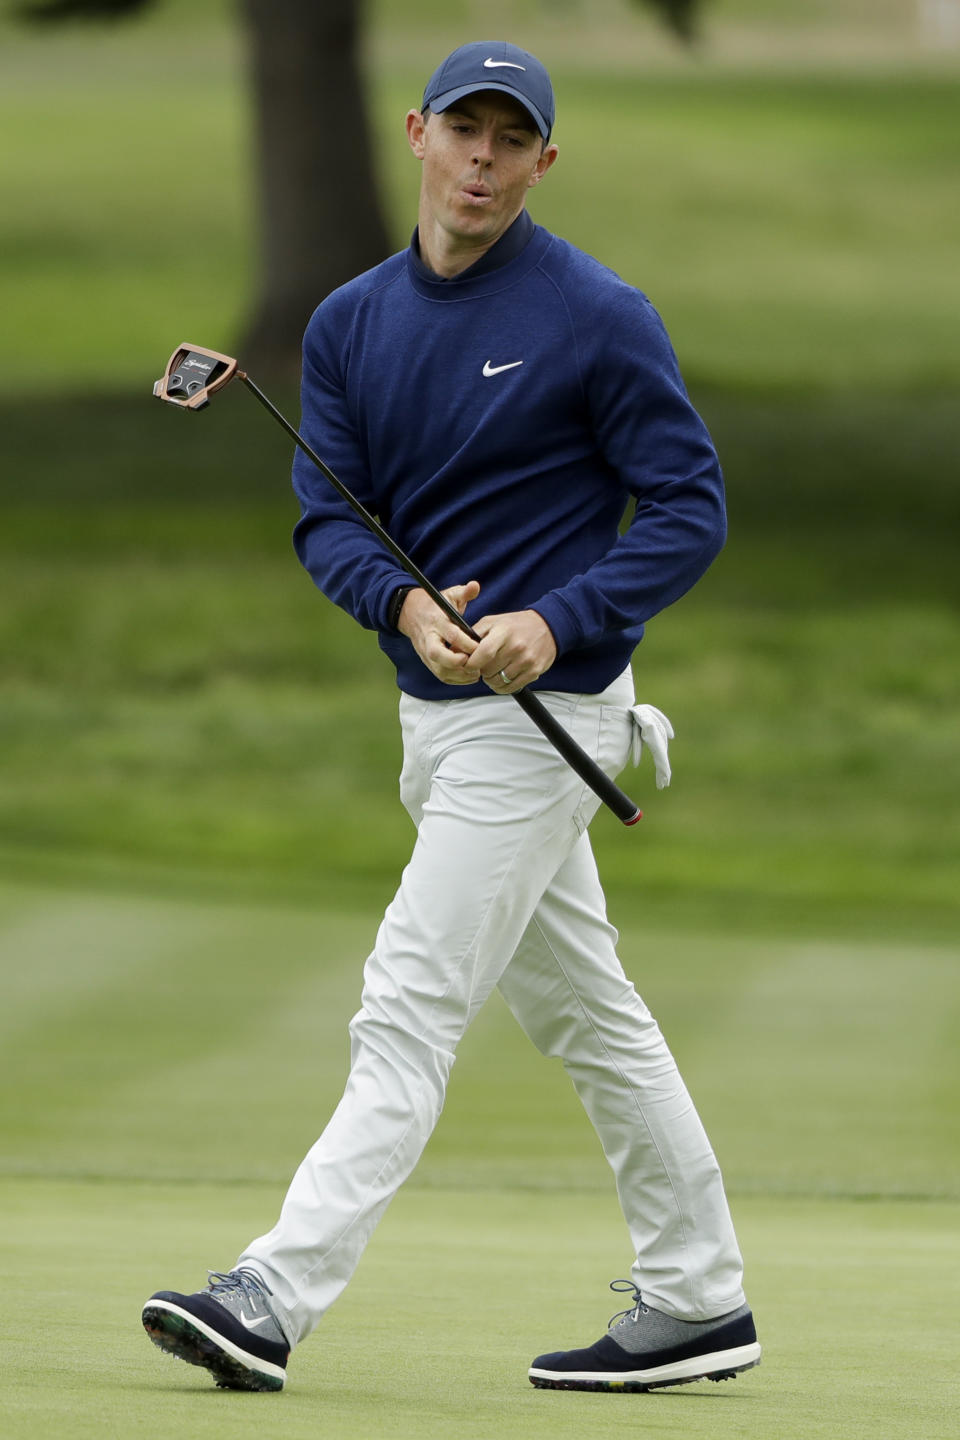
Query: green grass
point(812, 760)
point(142, 1146)
point(456, 1295)
point(760, 217)
point(113, 1001)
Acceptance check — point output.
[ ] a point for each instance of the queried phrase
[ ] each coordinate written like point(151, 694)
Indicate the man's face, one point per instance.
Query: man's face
point(480, 157)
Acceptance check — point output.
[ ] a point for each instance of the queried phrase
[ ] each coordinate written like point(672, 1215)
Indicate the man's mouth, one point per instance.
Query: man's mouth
point(476, 193)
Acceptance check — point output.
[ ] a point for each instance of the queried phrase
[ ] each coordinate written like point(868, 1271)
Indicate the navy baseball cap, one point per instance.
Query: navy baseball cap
point(493, 65)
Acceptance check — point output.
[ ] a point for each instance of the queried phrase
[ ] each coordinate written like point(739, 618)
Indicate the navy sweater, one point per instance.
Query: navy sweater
point(513, 474)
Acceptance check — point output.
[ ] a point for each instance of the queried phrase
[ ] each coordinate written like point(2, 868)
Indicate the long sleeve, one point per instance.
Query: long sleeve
point(345, 560)
point(652, 438)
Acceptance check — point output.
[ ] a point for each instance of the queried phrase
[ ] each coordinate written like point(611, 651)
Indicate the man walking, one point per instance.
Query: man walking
point(497, 398)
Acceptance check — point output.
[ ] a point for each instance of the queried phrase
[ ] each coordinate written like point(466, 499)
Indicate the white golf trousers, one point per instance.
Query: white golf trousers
point(502, 889)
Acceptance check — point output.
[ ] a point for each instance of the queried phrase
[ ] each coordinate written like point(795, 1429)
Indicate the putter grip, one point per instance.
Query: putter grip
point(578, 759)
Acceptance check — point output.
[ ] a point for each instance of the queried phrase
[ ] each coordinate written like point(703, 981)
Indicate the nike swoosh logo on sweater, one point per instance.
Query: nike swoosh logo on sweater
point(489, 369)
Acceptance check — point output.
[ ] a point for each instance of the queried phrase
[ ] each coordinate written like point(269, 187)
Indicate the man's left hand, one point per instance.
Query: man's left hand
point(514, 650)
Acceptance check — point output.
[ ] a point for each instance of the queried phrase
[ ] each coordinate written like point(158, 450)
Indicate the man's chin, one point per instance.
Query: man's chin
point(477, 227)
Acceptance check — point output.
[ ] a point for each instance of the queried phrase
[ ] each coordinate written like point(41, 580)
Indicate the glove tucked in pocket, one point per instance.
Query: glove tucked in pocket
point(652, 727)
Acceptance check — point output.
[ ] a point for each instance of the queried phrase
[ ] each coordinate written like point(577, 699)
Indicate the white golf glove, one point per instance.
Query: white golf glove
point(652, 726)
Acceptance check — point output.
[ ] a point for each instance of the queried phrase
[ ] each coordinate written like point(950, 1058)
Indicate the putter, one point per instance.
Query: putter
point(194, 374)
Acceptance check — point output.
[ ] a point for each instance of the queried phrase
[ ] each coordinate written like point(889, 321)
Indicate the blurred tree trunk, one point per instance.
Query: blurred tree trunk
point(680, 16)
point(319, 216)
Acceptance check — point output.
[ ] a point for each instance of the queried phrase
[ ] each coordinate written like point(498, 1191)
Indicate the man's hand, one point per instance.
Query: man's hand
point(442, 647)
point(515, 650)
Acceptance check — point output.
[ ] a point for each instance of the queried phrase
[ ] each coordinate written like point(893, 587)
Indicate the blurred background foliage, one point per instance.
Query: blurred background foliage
point(180, 710)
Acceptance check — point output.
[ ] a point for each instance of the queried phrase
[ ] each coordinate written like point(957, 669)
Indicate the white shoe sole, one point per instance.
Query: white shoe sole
point(720, 1365)
point(183, 1334)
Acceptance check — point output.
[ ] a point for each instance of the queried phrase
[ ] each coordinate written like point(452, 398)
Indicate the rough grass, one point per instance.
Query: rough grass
point(177, 699)
point(794, 231)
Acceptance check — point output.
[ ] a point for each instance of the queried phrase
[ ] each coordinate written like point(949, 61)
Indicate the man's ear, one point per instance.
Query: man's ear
point(548, 157)
point(416, 126)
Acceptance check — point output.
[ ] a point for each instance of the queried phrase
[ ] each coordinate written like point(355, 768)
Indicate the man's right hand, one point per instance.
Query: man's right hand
point(442, 647)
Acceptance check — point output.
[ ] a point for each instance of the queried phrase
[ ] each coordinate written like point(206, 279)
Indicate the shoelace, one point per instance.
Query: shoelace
point(248, 1282)
point(635, 1310)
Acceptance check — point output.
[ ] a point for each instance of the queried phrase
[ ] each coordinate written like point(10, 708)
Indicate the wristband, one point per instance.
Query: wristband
point(396, 605)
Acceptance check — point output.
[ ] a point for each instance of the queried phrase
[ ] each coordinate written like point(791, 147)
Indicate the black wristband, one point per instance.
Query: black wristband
point(396, 604)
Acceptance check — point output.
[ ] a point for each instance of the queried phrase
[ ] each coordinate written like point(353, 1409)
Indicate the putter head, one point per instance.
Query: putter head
point(192, 375)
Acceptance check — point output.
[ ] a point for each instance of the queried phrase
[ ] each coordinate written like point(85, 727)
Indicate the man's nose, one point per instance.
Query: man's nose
point(483, 150)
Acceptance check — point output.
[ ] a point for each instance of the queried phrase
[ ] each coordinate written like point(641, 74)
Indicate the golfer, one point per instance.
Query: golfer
point(498, 398)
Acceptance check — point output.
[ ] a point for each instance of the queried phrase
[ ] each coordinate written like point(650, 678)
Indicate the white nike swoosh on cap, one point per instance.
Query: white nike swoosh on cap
point(489, 369)
point(501, 64)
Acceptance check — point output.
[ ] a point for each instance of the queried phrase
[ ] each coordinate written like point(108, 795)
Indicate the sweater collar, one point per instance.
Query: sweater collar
point(507, 248)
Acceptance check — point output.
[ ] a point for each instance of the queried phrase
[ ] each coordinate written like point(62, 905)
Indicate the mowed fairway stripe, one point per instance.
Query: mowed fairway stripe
point(146, 1037)
point(174, 1039)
